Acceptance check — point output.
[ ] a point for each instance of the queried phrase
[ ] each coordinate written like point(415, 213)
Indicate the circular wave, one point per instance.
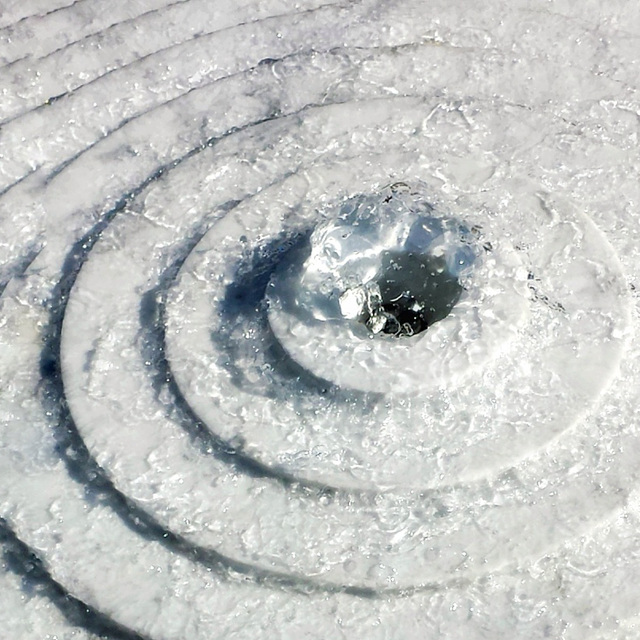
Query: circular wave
point(185, 455)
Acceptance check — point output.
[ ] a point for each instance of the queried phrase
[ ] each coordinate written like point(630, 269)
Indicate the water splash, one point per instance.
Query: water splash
point(389, 261)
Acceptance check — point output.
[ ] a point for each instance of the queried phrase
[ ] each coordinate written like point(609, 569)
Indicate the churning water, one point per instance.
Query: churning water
point(319, 320)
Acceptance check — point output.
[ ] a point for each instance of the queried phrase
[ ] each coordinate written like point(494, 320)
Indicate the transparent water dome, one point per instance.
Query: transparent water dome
point(387, 261)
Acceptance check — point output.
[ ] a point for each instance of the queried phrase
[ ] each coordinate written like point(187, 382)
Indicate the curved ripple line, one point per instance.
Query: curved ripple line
point(42, 15)
point(42, 26)
point(45, 56)
point(104, 134)
point(153, 323)
point(25, 562)
point(174, 46)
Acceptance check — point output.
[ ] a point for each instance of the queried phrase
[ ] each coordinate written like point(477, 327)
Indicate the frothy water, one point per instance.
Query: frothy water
point(318, 321)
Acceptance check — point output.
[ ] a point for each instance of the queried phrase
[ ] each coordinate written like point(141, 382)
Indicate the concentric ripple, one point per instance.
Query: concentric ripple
point(193, 446)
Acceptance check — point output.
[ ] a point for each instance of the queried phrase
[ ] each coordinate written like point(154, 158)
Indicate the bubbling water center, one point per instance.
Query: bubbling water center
point(388, 262)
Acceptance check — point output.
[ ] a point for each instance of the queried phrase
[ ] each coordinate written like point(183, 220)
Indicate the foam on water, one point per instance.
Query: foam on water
point(229, 406)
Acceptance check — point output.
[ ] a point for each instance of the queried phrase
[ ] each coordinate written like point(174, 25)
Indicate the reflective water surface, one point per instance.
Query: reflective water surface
point(319, 320)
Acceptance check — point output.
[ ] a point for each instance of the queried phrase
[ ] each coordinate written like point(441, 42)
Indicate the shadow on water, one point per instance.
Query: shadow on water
point(23, 561)
point(100, 488)
point(152, 340)
point(245, 307)
point(416, 291)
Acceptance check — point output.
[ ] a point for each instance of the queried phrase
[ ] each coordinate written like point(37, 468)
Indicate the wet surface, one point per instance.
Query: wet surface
point(225, 414)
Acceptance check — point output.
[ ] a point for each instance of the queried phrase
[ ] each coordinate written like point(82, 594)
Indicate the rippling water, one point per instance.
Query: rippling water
point(191, 446)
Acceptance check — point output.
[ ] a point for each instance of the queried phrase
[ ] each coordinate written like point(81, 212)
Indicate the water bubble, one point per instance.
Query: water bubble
point(388, 261)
